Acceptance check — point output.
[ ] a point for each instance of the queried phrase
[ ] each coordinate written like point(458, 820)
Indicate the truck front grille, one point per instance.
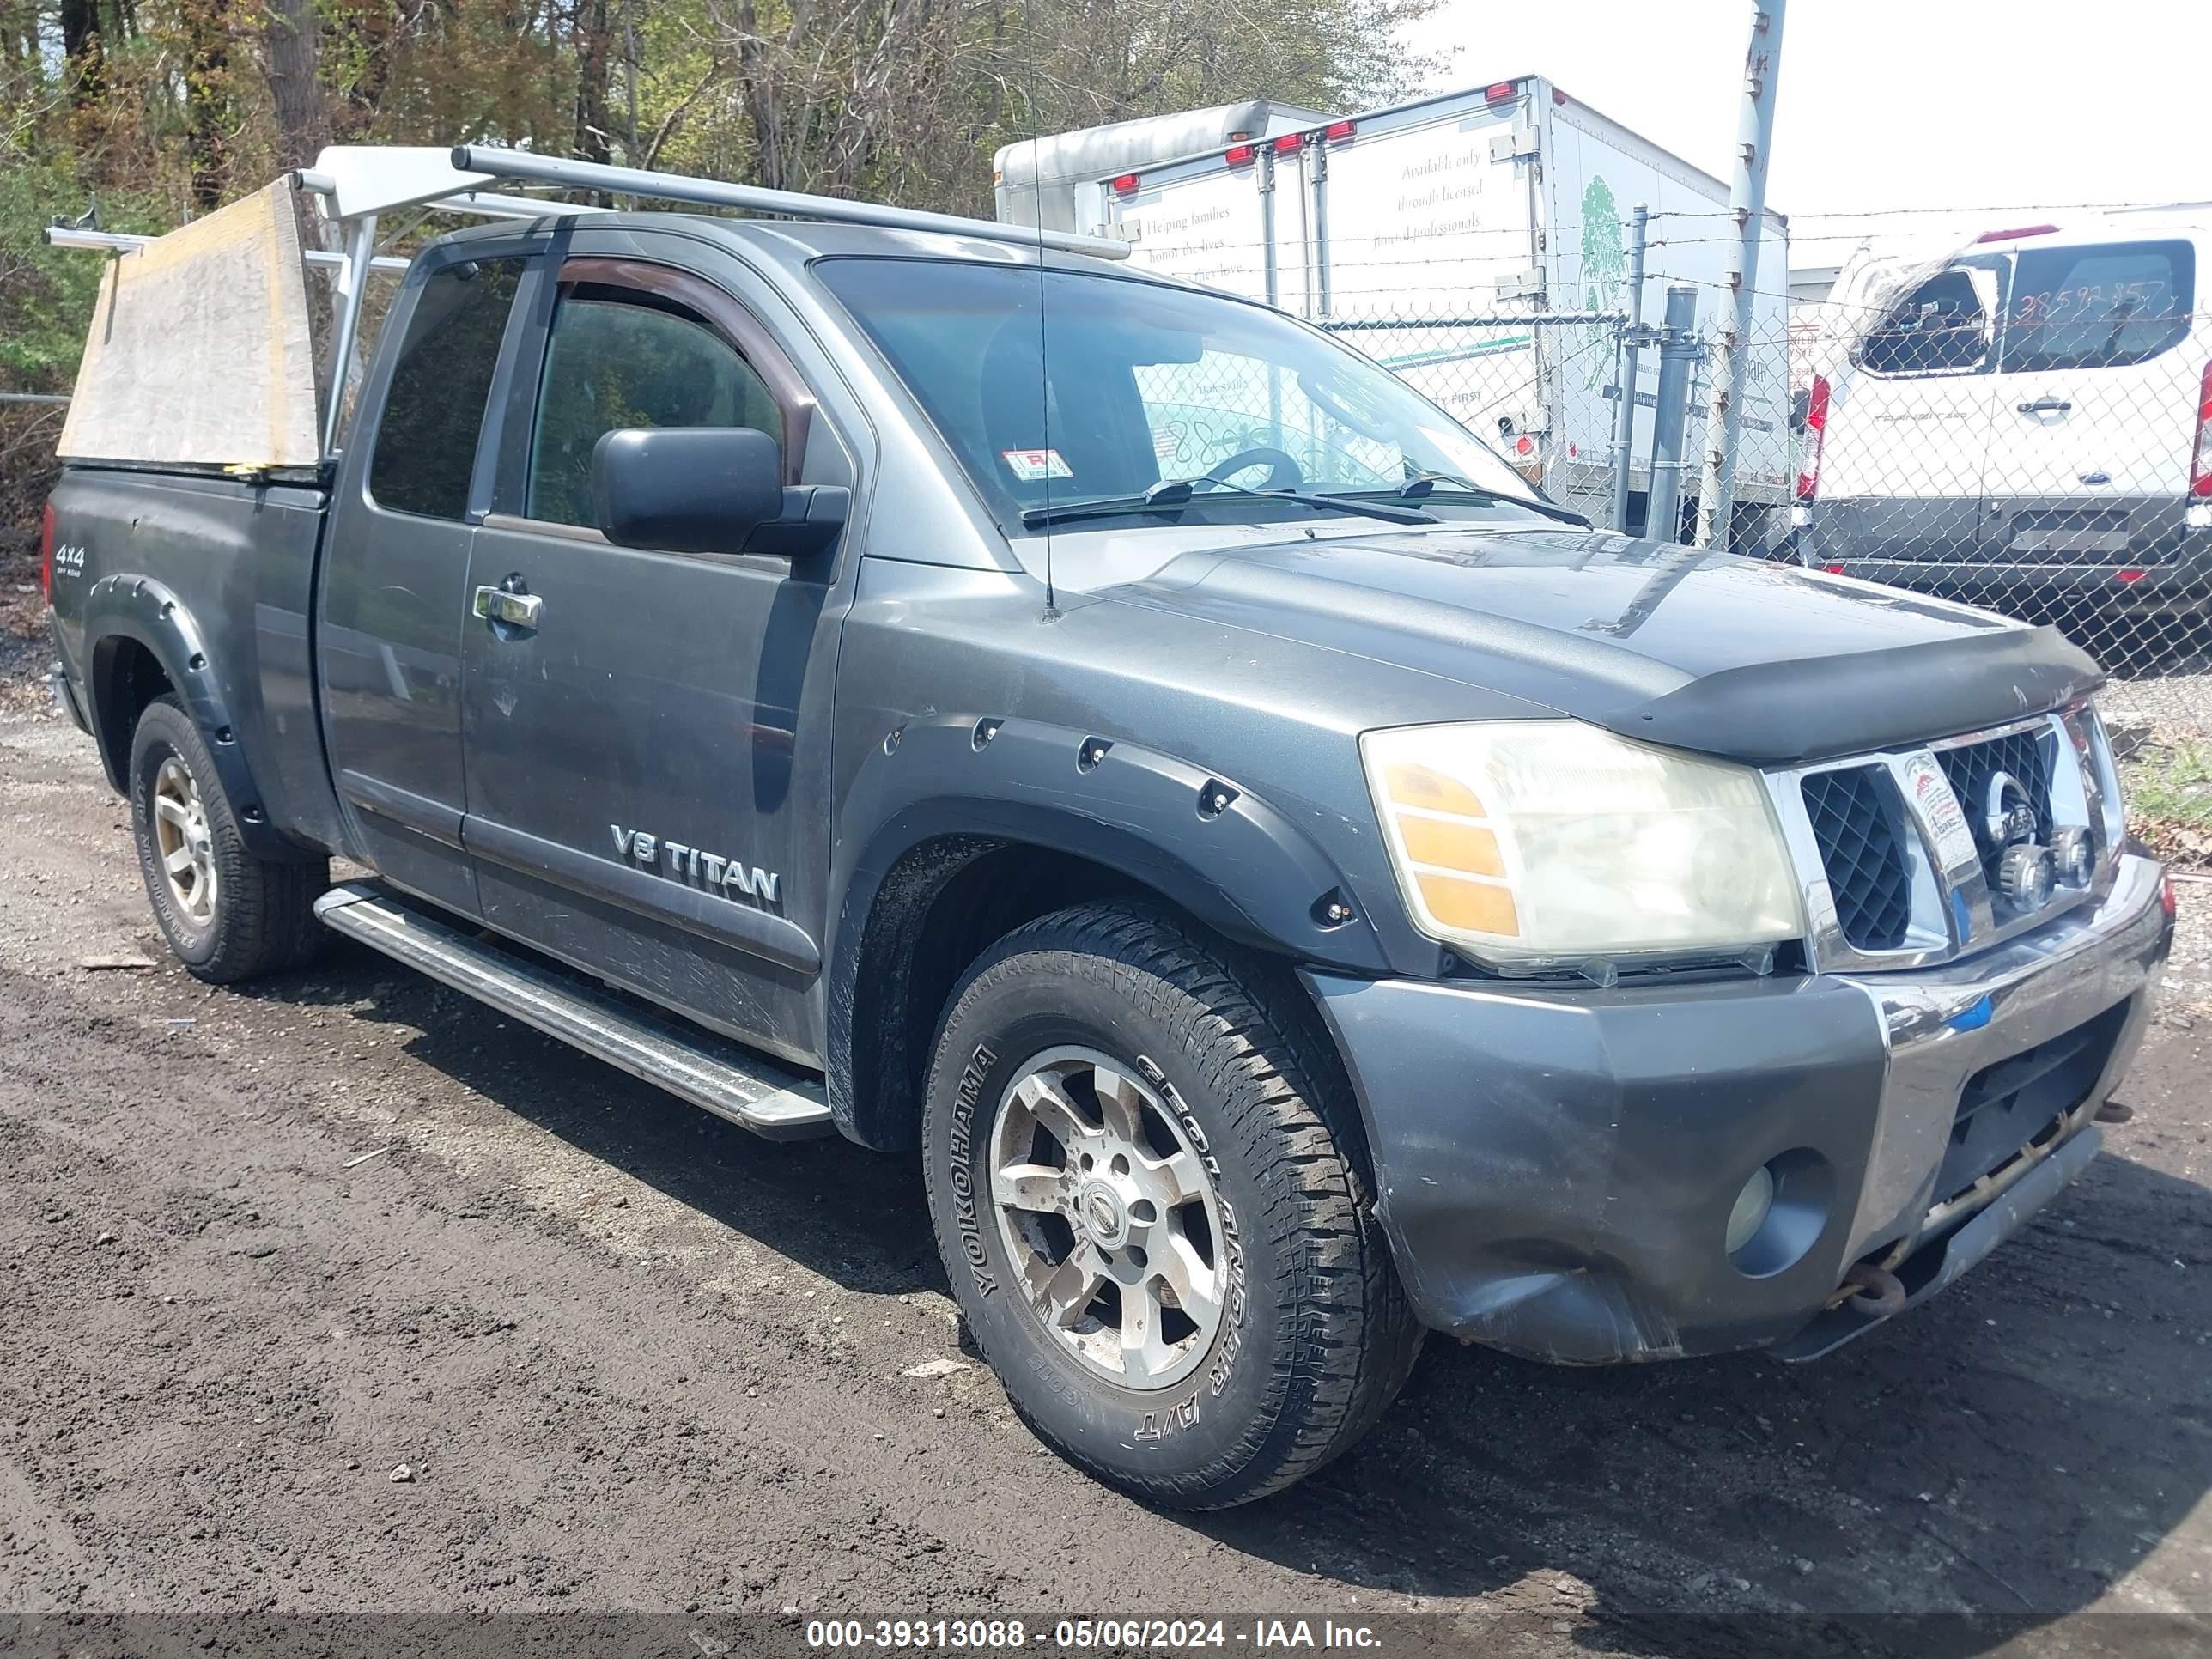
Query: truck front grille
point(2022, 754)
point(1855, 824)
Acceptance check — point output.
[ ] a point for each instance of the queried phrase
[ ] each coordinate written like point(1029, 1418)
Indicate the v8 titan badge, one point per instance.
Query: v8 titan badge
point(1938, 807)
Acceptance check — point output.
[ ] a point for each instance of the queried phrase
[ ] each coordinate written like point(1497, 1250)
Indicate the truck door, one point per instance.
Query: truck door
point(631, 745)
point(395, 572)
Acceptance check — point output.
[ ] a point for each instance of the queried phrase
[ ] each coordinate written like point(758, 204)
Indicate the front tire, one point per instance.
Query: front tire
point(1142, 1174)
point(227, 914)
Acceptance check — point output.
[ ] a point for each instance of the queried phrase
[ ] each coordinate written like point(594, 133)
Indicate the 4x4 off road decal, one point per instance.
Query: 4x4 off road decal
point(1169, 1421)
point(963, 1180)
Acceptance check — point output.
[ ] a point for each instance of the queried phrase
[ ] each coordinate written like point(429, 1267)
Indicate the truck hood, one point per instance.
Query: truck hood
point(1758, 662)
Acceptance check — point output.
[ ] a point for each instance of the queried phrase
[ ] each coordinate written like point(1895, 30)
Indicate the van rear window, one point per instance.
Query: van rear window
point(2103, 307)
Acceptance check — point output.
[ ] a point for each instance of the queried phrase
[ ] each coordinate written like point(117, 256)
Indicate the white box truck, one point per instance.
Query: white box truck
point(1448, 238)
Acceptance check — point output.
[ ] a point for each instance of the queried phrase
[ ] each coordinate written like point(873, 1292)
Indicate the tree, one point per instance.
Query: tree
point(292, 37)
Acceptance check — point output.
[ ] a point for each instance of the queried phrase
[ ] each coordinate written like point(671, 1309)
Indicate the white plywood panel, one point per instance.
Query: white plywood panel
point(199, 351)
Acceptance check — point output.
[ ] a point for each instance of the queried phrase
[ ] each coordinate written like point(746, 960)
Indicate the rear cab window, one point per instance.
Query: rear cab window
point(2107, 306)
point(433, 410)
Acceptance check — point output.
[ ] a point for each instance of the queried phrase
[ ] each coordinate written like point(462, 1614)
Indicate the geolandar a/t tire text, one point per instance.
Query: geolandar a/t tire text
point(1143, 1175)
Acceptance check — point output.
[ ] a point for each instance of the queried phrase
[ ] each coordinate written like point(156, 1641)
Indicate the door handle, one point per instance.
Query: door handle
point(496, 605)
point(2046, 406)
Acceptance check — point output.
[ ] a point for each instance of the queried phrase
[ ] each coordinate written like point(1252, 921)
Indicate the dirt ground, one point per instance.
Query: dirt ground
point(343, 1293)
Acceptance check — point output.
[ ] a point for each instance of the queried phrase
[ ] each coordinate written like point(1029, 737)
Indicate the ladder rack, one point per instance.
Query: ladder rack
point(356, 183)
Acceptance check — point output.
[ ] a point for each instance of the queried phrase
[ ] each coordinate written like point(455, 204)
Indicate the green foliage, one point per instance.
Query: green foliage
point(46, 292)
point(2169, 794)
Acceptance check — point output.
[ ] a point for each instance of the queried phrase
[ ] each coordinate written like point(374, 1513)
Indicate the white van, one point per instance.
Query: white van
point(2022, 424)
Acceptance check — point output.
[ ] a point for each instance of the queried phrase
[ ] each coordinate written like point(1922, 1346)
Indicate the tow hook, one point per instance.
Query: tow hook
point(1879, 1293)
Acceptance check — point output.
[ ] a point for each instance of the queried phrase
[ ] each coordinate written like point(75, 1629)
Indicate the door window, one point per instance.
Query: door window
point(1941, 327)
point(2098, 308)
point(426, 443)
point(618, 360)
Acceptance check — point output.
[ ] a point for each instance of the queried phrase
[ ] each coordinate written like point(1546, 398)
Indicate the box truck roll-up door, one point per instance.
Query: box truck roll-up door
point(1426, 219)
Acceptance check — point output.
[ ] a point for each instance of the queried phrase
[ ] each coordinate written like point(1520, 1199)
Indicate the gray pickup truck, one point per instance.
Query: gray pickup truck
point(1290, 886)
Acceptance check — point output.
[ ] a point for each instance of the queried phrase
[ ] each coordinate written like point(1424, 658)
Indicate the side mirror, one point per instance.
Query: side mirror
point(708, 490)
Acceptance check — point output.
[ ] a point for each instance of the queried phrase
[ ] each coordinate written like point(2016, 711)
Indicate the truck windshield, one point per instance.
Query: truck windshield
point(1060, 388)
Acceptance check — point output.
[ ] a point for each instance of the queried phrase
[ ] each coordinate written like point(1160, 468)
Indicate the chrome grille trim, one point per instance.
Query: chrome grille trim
point(1953, 911)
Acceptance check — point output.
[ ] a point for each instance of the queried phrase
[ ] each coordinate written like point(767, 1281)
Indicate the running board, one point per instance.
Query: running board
point(729, 1080)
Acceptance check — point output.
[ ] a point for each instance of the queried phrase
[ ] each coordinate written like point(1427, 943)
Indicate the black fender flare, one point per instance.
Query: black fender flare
point(972, 785)
point(147, 613)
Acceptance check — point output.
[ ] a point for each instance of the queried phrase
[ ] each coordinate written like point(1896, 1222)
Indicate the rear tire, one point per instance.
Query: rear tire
point(1246, 1324)
point(227, 914)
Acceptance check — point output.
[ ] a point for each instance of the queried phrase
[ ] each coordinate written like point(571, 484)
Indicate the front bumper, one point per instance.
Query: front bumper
point(1556, 1167)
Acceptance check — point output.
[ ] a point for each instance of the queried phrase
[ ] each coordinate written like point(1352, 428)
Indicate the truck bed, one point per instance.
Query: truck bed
point(244, 552)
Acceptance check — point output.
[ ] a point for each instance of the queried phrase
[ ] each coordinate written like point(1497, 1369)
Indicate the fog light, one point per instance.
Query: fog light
point(2074, 855)
point(1752, 1204)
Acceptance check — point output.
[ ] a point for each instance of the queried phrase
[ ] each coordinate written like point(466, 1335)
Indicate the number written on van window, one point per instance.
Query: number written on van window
point(2098, 307)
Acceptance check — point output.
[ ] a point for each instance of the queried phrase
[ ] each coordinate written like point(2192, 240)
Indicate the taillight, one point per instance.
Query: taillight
point(1240, 156)
point(1339, 132)
point(1127, 184)
point(1288, 143)
point(46, 551)
point(1816, 424)
point(2200, 469)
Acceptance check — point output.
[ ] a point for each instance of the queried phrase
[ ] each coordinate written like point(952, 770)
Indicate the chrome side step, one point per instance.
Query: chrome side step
point(728, 1079)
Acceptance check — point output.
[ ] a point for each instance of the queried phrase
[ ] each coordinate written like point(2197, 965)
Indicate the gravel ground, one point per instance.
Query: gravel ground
point(341, 1293)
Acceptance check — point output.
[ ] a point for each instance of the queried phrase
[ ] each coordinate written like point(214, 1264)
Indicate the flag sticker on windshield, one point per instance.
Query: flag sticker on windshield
point(1031, 465)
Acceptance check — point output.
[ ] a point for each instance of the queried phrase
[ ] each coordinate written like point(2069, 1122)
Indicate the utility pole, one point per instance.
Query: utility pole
point(1631, 339)
point(1762, 73)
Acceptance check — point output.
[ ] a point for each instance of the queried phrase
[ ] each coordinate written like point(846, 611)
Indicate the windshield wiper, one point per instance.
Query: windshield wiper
point(1173, 495)
point(1423, 485)
point(1160, 498)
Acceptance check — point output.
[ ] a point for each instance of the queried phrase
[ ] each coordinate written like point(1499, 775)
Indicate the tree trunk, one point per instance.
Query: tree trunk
point(207, 100)
point(294, 54)
point(593, 60)
point(81, 46)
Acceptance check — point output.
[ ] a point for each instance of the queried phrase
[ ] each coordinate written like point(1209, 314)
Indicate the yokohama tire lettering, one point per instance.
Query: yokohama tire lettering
point(962, 1178)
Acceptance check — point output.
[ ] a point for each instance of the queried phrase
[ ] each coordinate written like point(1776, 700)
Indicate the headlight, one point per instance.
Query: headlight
point(1529, 841)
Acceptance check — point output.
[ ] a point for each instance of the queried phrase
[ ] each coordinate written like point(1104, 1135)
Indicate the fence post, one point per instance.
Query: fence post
point(1678, 351)
point(1762, 72)
point(1623, 418)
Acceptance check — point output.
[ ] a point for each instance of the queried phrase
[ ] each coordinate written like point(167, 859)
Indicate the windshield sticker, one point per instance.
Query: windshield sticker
point(1031, 465)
